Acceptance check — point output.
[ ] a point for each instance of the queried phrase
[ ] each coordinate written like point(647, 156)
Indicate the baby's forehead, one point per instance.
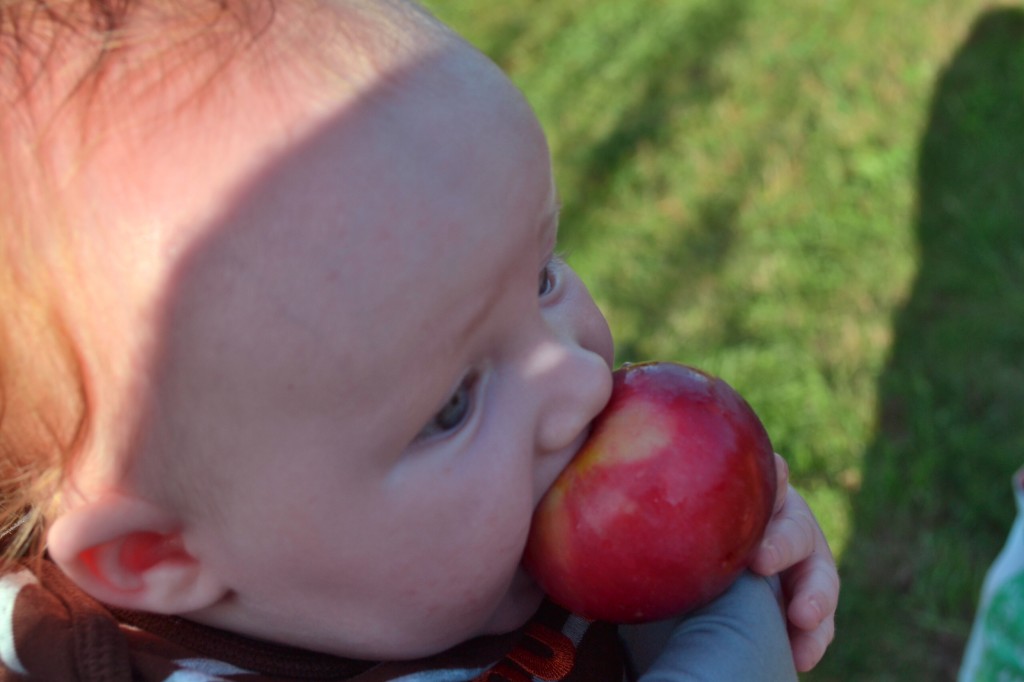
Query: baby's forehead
point(386, 182)
point(163, 138)
point(262, 182)
point(365, 246)
point(169, 132)
point(235, 87)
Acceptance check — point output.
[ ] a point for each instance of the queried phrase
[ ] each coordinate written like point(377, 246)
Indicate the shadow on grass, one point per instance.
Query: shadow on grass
point(935, 503)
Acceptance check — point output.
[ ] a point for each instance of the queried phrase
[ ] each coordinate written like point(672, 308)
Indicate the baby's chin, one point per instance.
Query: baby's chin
point(520, 603)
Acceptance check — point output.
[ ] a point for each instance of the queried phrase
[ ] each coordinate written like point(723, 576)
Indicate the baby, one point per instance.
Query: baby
point(288, 357)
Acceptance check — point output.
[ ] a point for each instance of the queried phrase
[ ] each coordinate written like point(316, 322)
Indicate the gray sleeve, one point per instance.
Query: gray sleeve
point(739, 636)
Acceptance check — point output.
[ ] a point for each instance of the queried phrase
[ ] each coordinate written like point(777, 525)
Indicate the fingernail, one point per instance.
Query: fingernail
point(819, 613)
point(769, 550)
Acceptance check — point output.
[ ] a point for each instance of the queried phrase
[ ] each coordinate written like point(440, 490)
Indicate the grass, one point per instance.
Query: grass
point(824, 205)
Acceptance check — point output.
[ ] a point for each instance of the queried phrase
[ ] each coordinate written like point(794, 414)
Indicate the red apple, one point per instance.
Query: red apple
point(663, 506)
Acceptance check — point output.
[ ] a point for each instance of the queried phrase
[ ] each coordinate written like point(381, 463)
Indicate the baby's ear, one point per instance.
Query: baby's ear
point(129, 553)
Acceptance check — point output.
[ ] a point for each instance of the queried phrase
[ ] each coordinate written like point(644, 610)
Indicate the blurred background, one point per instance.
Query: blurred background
point(822, 201)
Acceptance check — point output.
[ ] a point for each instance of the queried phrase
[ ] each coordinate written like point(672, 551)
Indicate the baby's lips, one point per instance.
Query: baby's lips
point(567, 457)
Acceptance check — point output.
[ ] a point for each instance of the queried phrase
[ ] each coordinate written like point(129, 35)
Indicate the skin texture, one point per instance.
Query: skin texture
point(398, 254)
point(416, 539)
point(342, 366)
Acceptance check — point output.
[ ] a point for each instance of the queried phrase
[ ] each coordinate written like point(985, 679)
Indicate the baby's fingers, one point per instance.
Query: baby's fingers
point(792, 535)
point(810, 645)
point(795, 548)
point(781, 482)
point(812, 590)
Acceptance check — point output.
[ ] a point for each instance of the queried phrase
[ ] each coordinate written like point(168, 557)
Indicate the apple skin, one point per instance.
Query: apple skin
point(663, 506)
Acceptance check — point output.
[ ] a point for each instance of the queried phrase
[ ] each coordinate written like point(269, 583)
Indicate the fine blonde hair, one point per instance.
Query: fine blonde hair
point(55, 56)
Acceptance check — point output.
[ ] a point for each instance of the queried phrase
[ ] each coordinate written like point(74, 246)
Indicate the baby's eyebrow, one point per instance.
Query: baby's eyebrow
point(477, 317)
point(550, 220)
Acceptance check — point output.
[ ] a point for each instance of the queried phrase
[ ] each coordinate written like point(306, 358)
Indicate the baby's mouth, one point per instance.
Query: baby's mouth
point(577, 445)
point(565, 456)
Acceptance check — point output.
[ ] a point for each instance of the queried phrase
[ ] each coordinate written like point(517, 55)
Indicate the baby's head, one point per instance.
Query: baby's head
point(284, 345)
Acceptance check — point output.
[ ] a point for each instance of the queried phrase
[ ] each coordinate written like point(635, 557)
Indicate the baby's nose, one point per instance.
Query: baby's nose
point(577, 384)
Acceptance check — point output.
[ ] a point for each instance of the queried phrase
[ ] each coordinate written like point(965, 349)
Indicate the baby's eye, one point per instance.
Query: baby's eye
point(548, 277)
point(455, 411)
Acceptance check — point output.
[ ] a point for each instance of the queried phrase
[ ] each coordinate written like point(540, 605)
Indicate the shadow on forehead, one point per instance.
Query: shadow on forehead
point(89, 64)
point(303, 275)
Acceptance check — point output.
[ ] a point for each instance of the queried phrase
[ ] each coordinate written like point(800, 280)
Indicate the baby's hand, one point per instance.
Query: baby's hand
point(795, 547)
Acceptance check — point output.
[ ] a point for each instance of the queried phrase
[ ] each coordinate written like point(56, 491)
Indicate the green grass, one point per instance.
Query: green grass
point(823, 202)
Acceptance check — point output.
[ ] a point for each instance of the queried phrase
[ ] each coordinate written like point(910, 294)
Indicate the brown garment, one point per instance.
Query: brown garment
point(52, 631)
